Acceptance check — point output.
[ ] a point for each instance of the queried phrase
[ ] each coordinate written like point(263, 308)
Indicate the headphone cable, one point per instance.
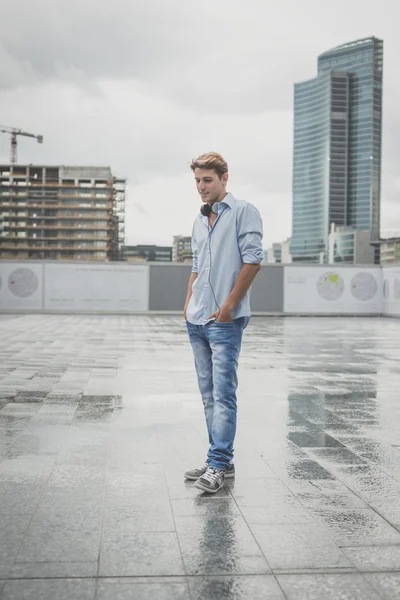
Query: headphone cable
point(209, 272)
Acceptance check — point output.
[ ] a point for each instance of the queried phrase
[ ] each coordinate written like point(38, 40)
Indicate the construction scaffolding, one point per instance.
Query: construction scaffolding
point(61, 213)
point(119, 208)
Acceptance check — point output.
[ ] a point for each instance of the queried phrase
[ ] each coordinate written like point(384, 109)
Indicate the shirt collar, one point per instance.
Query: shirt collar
point(229, 200)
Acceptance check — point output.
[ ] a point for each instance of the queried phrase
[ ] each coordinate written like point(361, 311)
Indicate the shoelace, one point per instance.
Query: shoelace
point(211, 475)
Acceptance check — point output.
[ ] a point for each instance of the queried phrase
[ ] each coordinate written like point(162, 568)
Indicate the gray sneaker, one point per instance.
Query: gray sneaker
point(196, 473)
point(211, 481)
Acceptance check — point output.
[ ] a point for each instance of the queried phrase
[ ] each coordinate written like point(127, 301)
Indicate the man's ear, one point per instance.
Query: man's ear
point(225, 178)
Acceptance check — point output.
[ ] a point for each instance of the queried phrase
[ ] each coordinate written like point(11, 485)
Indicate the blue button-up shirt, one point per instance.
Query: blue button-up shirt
point(219, 254)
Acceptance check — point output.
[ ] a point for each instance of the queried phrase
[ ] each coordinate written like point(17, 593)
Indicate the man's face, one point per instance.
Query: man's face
point(210, 187)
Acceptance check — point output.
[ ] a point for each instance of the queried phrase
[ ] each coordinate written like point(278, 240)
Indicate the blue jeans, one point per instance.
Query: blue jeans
point(216, 348)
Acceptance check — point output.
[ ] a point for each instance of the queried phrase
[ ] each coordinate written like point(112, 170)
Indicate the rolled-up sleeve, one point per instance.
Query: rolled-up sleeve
point(250, 235)
point(195, 266)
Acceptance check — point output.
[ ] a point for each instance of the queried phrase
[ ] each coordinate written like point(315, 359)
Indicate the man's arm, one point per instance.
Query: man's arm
point(243, 282)
point(192, 279)
point(250, 232)
point(193, 276)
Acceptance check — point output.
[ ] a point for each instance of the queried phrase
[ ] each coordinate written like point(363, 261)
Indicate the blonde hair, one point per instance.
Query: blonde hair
point(210, 160)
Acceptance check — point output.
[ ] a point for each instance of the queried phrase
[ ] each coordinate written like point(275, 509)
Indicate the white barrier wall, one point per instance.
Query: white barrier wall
point(125, 288)
point(84, 287)
point(74, 287)
point(328, 289)
point(391, 291)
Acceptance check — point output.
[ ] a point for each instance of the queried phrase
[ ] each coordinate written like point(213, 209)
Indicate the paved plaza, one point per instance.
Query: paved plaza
point(100, 416)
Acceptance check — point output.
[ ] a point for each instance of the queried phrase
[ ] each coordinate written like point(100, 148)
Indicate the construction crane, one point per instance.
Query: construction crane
point(14, 132)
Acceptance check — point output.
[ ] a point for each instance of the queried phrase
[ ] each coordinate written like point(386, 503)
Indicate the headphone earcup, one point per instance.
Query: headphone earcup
point(214, 208)
point(205, 210)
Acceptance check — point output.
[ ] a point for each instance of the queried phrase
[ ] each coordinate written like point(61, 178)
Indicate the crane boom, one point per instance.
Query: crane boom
point(13, 131)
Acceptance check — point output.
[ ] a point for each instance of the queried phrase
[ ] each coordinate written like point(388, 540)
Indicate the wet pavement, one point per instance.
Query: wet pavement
point(100, 416)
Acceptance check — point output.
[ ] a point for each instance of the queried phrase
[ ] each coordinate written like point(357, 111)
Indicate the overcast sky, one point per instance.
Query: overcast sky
point(145, 86)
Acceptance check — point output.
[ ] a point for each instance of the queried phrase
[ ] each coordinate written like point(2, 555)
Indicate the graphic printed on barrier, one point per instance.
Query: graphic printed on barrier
point(364, 286)
point(330, 286)
point(23, 282)
point(21, 286)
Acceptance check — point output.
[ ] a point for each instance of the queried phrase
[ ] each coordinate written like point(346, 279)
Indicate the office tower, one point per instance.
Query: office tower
point(337, 148)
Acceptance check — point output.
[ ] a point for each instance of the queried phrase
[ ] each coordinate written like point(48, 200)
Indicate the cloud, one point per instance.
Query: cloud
point(140, 208)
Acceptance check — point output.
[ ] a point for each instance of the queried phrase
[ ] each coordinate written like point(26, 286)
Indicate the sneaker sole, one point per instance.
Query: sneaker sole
point(192, 478)
point(206, 489)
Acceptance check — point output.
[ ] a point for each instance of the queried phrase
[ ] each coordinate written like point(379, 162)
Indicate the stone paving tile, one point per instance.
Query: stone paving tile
point(313, 440)
point(187, 491)
point(12, 531)
point(76, 538)
point(219, 545)
point(390, 511)
point(19, 497)
point(338, 456)
point(49, 570)
point(205, 507)
point(305, 469)
point(49, 589)
point(299, 546)
point(235, 588)
point(36, 441)
point(122, 590)
point(276, 513)
point(259, 492)
point(138, 519)
point(129, 554)
point(330, 500)
point(357, 527)
point(32, 469)
point(370, 483)
point(63, 500)
point(387, 585)
point(374, 558)
point(346, 586)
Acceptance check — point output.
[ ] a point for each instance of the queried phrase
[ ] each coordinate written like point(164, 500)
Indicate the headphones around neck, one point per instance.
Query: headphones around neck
point(206, 209)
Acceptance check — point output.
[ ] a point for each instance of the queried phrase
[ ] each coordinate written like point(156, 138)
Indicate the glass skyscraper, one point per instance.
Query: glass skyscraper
point(337, 148)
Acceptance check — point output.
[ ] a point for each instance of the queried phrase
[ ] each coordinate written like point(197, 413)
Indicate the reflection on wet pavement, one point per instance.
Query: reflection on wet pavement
point(100, 416)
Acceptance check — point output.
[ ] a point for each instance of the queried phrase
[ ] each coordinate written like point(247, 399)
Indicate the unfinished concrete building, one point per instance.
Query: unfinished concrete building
point(61, 213)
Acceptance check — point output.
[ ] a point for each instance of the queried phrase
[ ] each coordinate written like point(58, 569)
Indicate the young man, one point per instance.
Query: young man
point(227, 252)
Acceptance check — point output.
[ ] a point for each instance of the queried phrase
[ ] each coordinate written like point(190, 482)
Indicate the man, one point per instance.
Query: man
point(227, 252)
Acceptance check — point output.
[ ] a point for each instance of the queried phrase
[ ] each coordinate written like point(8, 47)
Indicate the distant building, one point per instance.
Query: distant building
point(390, 251)
point(182, 249)
point(337, 148)
point(275, 253)
point(351, 246)
point(145, 253)
point(61, 213)
point(279, 253)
